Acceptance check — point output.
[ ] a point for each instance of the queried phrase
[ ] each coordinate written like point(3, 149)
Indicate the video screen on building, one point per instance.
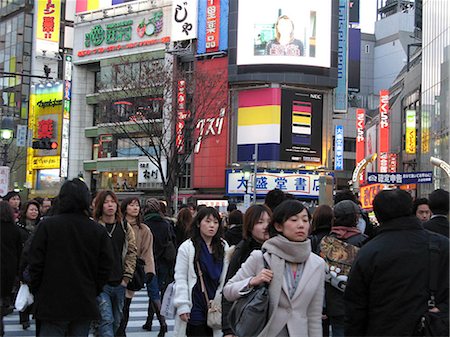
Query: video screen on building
point(284, 32)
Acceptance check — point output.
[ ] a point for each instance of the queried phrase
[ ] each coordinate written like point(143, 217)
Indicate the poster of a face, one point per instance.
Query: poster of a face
point(371, 147)
point(284, 32)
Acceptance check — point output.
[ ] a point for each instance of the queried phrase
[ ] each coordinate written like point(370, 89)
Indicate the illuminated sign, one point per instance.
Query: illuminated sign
point(45, 128)
point(384, 130)
point(368, 193)
point(284, 32)
point(360, 138)
point(425, 130)
point(400, 178)
point(46, 162)
point(340, 93)
point(184, 20)
point(392, 166)
point(410, 135)
point(339, 148)
point(64, 170)
point(298, 184)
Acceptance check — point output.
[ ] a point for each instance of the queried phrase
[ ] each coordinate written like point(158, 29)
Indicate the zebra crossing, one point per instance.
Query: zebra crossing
point(138, 315)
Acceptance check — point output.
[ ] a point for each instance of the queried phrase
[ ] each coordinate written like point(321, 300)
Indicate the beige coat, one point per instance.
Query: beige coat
point(144, 244)
point(301, 314)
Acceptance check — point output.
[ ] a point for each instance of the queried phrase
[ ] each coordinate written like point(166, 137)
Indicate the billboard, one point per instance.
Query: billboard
point(360, 136)
point(212, 26)
point(341, 91)
point(284, 32)
point(384, 131)
point(371, 146)
point(112, 37)
point(410, 133)
point(211, 129)
point(48, 15)
point(354, 59)
point(339, 148)
point(184, 20)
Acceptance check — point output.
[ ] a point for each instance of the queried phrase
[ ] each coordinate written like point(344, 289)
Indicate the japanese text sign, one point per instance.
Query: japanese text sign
point(48, 13)
point(339, 148)
point(368, 193)
point(184, 20)
point(400, 178)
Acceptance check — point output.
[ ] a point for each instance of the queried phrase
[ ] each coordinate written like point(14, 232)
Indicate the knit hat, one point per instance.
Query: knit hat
point(345, 207)
point(152, 205)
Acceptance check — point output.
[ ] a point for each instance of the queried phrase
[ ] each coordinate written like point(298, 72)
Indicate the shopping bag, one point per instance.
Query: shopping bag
point(24, 298)
point(167, 305)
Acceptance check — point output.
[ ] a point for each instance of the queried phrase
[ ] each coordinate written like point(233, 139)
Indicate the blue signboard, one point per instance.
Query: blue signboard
point(339, 148)
point(340, 93)
point(203, 28)
point(400, 178)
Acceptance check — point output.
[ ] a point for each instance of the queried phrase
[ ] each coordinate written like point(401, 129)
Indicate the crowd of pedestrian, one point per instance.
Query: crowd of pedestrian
point(329, 271)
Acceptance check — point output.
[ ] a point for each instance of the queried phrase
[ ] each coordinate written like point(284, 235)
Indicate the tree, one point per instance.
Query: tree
point(156, 103)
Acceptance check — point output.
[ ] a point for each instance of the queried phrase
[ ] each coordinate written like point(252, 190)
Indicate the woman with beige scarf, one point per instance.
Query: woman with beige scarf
point(296, 275)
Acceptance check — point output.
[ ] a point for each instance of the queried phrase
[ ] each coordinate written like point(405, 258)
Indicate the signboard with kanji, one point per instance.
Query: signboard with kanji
point(4, 180)
point(368, 193)
point(48, 13)
point(400, 178)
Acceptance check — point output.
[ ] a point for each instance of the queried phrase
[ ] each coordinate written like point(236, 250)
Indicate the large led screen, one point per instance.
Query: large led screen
point(284, 32)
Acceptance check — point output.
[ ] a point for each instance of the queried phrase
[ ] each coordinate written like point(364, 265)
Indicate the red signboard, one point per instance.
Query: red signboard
point(211, 129)
point(368, 193)
point(181, 115)
point(392, 162)
point(384, 130)
point(360, 138)
point(212, 25)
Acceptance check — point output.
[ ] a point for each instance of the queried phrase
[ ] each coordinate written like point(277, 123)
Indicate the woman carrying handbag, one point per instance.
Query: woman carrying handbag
point(200, 271)
point(296, 275)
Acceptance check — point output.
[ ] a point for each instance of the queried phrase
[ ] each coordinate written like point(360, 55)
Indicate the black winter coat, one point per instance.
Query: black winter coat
point(70, 262)
point(387, 288)
point(241, 252)
point(438, 224)
point(11, 247)
point(162, 237)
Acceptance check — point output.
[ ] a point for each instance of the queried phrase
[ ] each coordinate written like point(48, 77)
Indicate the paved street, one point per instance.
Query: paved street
point(137, 319)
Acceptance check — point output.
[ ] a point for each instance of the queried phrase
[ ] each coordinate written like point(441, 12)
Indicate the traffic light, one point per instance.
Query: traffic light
point(44, 144)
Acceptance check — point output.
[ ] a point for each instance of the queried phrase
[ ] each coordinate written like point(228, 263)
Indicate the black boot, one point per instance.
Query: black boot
point(124, 322)
point(150, 312)
point(161, 319)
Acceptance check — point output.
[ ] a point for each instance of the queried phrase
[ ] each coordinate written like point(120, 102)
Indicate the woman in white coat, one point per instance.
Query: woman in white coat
point(207, 250)
point(296, 275)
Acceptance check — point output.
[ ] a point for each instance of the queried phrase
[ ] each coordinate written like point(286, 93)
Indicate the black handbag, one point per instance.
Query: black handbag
point(433, 323)
point(249, 314)
point(138, 280)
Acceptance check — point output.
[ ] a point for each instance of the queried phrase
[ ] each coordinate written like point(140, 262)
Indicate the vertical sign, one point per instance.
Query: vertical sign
point(339, 148)
point(360, 139)
point(181, 115)
point(425, 128)
point(384, 131)
point(21, 136)
point(4, 180)
point(47, 28)
point(184, 20)
point(392, 162)
point(410, 134)
point(66, 116)
point(340, 93)
point(212, 25)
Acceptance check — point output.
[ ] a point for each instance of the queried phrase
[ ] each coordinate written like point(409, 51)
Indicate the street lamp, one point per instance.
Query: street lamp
point(441, 164)
point(6, 137)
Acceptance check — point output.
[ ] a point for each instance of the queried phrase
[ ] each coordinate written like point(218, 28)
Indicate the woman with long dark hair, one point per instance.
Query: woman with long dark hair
point(131, 210)
point(322, 221)
point(296, 276)
point(255, 232)
point(183, 225)
point(201, 256)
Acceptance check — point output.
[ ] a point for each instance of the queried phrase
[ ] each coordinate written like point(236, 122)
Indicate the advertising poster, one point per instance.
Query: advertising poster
point(284, 32)
point(212, 26)
point(301, 126)
point(371, 147)
point(354, 59)
point(48, 16)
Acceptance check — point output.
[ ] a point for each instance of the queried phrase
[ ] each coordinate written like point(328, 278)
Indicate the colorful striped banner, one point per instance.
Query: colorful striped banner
point(269, 114)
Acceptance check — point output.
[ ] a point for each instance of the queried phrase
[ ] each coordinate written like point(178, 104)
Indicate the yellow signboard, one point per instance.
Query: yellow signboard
point(46, 162)
point(410, 136)
point(48, 20)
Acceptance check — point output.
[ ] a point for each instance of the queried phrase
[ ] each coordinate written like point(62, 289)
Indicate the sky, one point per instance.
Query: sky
point(367, 15)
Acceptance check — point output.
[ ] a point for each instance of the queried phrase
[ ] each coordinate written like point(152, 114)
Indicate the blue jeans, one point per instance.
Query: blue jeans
point(64, 328)
point(110, 303)
point(337, 326)
point(153, 289)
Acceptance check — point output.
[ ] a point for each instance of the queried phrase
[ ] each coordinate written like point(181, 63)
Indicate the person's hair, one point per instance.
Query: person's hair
point(277, 33)
point(236, 217)
point(39, 200)
point(73, 197)
point(100, 199)
point(438, 201)
point(6, 212)
point(274, 198)
point(417, 202)
point(11, 194)
point(251, 218)
point(282, 213)
point(24, 209)
point(345, 195)
point(200, 207)
point(391, 204)
point(125, 203)
point(191, 205)
point(152, 206)
point(216, 243)
point(231, 207)
point(184, 219)
point(322, 218)
point(162, 207)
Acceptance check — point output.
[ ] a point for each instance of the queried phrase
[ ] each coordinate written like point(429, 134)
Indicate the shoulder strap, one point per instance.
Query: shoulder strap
point(433, 250)
point(266, 265)
point(202, 283)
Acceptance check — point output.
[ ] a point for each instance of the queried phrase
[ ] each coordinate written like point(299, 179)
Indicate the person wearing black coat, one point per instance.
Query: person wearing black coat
point(387, 290)
point(254, 232)
point(11, 247)
point(346, 214)
point(70, 262)
point(439, 206)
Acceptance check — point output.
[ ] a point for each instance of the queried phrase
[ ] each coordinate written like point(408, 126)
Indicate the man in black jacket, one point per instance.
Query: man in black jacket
point(387, 290)
point(439, 206)
point(70, 261)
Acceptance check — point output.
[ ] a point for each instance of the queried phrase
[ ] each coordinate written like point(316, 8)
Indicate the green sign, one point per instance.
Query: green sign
point(115, 32)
